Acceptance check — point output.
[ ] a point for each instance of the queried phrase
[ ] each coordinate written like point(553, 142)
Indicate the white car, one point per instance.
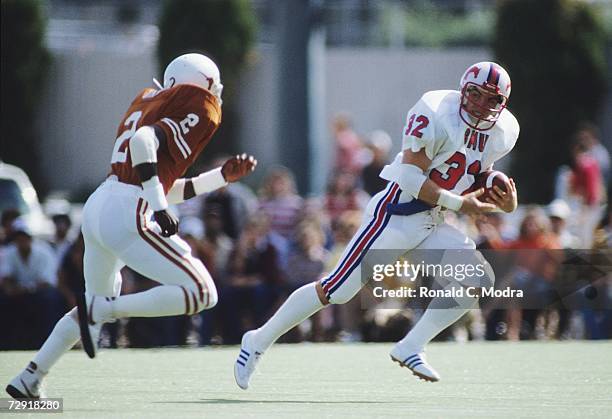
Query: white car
point(17, 192)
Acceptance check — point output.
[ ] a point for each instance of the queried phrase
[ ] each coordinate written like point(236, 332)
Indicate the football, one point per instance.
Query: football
point(487, 180)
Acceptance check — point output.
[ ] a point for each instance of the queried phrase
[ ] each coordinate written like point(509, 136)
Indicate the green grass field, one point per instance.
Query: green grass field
point(567, 379)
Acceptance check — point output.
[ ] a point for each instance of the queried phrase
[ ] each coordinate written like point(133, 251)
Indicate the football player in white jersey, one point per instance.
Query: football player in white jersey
point(450, 136)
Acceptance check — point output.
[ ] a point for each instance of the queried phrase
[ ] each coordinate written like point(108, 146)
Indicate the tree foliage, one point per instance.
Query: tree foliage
point(224, 31)
point(554, 51)
point(25, 61)
point(435, 28)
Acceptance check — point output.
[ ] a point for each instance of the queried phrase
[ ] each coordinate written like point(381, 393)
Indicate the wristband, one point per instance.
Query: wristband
point(153, 192)
point(450, 200)
point(209, 181)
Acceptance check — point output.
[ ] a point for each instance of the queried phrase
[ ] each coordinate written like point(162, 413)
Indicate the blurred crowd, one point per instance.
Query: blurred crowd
point(260, 246)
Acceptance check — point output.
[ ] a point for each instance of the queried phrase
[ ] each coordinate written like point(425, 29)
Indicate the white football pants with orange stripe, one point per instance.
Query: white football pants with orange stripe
point(118, 231)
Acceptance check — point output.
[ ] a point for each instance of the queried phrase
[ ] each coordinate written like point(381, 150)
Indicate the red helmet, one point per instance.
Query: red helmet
point(485, 89)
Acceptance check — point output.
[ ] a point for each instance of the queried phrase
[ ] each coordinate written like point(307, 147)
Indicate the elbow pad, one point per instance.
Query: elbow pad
point(143, 146)
point(411, 179)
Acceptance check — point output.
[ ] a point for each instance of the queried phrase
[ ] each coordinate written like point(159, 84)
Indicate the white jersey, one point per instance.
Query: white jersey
point(457, 152)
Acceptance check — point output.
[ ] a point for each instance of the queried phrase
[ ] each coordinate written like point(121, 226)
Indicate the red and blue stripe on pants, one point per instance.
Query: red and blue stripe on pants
point(366, 238)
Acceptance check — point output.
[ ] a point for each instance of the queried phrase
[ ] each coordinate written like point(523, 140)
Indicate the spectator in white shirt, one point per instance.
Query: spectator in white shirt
point(28, 264)
point(558, 214)
point(30, 304)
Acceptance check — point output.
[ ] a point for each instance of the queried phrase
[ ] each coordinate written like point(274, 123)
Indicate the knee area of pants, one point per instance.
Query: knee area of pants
point(213, 298)
point(209, 299)
point(73, 314)
point(338, 298)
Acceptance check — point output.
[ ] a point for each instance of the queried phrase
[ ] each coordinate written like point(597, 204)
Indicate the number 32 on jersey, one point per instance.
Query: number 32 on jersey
point(456, 163)
point(422, 122)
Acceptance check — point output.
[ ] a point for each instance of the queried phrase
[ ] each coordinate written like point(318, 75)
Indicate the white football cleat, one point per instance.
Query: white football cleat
point(28, 384)
point(246, 362)
point(92, 315)
point(416, 363)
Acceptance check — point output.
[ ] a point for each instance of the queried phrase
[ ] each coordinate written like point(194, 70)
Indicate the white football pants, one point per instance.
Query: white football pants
point(118, 231)
point(383, 231)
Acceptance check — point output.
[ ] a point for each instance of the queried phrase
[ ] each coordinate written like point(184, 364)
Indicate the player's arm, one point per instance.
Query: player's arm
point(423, 139)
point(144, 146)
point(232, 170)
point(414, 181)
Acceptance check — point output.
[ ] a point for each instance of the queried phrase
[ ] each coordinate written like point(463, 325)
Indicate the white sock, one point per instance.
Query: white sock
point(300, 305)
point(441, 313)
point(64, 336)
point(164, 300)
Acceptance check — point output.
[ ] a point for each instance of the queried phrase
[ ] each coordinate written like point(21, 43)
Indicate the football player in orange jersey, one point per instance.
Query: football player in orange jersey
point(126, 220)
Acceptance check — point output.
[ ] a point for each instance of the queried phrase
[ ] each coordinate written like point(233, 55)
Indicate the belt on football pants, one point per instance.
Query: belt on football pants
point(408, 208)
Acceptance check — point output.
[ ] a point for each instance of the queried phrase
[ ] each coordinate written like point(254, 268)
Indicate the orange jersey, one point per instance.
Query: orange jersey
point(188, 114)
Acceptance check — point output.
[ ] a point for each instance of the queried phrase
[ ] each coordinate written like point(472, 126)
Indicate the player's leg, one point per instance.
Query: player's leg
point(102, 219)
point(101, 270)
point(338, 287)
point(187, 287)
point(442, 311)
point(125, 226)
point(310, 298)
point(65, 334)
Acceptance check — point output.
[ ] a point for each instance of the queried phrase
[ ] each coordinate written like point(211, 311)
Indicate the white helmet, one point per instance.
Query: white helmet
point(195, 69)
point(484, 78)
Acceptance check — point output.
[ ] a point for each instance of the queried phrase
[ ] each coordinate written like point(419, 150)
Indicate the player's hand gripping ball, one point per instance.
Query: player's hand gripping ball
point(488, 180)
point(238, 167)
point(498, 189)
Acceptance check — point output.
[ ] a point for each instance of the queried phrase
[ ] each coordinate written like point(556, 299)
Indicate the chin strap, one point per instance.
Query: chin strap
point(468, 119)
point(158, 84)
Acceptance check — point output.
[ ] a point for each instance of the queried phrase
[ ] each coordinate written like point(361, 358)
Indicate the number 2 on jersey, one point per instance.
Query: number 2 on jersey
point(119, 153)
point(131, 122)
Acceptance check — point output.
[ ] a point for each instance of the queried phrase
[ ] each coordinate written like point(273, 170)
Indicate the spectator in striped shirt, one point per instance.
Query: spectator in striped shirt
point(280, 202)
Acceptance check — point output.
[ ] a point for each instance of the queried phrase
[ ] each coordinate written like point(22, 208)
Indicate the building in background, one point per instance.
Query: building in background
point(371, 60)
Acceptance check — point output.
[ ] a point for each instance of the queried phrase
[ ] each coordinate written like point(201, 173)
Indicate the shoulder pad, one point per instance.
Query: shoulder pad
point(508, 123)
point(438, 101)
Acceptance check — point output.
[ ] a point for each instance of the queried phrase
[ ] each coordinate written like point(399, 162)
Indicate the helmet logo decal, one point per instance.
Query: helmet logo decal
point(493, 77)
point(475, 70)
point(209, 79)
